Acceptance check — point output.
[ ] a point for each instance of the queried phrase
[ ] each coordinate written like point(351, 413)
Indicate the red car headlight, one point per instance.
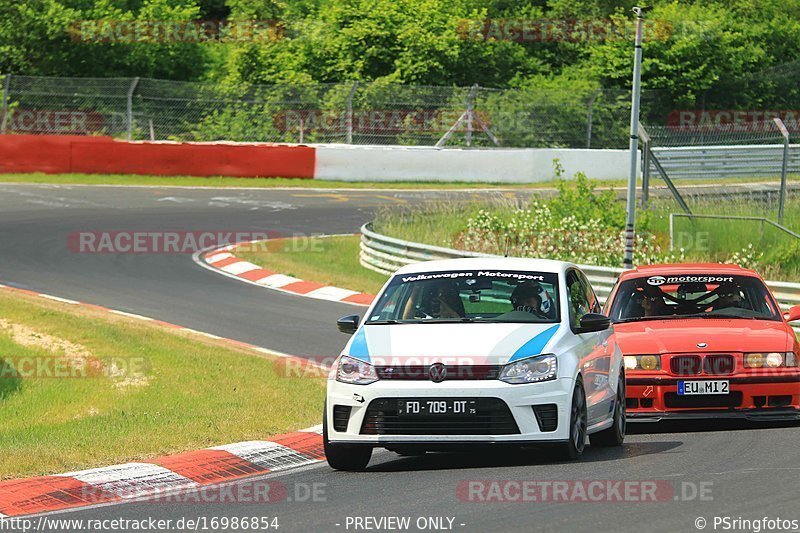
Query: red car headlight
point(642, 362)
point(770, 359)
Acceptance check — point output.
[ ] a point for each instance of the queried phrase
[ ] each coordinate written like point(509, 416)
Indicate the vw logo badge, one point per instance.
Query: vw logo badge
point(702, 345)
point(437, 372)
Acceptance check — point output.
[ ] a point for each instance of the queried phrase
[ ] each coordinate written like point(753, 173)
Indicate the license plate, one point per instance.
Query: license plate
point(689, 388)
point(440, 407)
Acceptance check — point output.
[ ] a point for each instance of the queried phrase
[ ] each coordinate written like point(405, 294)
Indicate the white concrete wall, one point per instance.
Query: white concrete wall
point(527, 165)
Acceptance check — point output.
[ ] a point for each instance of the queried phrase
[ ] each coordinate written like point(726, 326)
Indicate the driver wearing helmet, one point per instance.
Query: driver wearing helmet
point(728, 295)
point(529, 296)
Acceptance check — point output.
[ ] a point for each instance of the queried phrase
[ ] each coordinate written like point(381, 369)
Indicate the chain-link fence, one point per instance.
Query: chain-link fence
point(357, 113)
point(380, 113)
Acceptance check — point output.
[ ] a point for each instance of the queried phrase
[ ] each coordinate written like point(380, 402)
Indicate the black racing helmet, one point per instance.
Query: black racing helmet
point(527, 290)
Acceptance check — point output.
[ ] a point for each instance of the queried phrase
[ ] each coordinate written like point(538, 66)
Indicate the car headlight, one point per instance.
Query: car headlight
point(770, 360)
point(642, 362)
point(355, 371)
point(531, 370)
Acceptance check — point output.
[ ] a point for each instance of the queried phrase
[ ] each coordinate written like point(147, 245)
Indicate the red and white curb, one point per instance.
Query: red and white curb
point(162, 477)
point(183, 472)
point(223, 261)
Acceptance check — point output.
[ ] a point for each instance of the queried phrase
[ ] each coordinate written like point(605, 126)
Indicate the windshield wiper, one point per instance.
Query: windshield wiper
point(422, 321)
point(495, 321)
point(673, 317)
point(643, 318)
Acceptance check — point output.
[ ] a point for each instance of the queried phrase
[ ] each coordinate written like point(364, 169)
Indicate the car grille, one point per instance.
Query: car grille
point(719, 364)
point(712, 364)
point(685, 365)
point(493, 418)
point(546, 416)
point(341, 416)
point(454, 372)
point(672, 399)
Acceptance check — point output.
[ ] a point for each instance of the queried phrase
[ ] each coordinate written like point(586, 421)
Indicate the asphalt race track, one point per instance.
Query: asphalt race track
point(733, 470)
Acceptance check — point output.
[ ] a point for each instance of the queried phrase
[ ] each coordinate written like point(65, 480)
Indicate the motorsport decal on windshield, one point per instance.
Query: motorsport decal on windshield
point(480, 274)
point(670, 280)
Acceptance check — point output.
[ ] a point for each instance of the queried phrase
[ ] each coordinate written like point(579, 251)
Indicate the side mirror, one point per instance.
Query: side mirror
point(793, 314)
point(591, 322)
point(348, 324)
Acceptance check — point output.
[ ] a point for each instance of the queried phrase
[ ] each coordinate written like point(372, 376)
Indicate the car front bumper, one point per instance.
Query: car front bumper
point(519, 399)
point(751, 397)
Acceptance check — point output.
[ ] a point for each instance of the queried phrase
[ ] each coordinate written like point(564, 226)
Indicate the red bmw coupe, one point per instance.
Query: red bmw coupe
point(705, 340)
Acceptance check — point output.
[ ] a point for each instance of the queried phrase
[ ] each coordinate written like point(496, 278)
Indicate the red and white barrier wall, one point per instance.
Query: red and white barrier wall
point(104, 155)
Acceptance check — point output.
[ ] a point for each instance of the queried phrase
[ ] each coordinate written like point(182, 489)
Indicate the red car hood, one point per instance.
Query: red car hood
point(721, 335)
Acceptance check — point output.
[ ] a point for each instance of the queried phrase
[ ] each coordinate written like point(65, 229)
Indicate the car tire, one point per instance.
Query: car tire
point(615, 435)
point(345, 457)
point(573, 448)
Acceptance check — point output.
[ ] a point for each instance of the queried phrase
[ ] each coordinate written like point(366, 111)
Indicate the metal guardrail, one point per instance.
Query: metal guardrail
point(384, 254)
point(746, 160)
point(764, 222)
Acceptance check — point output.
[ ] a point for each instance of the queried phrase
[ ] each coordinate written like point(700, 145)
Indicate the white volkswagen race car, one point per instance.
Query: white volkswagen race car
point(476, 351)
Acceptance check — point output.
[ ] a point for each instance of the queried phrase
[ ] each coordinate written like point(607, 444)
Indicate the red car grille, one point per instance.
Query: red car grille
point(685, 365)
point(719, 364)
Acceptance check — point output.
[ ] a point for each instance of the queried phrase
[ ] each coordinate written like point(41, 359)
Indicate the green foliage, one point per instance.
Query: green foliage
point(579, 198)
point(719, 54)
point(58, 38)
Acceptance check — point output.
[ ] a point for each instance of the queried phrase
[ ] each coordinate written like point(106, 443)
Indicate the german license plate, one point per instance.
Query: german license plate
point(691, 388)
point(438, 406)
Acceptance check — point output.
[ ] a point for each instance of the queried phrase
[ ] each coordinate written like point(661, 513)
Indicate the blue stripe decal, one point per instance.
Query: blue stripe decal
point(358, 348)
point(535, 345)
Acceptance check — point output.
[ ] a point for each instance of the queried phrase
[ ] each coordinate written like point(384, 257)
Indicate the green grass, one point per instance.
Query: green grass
point(439, 223)
point(198, 393)
point(716, 239)
point(220, 181)
point(327, 260)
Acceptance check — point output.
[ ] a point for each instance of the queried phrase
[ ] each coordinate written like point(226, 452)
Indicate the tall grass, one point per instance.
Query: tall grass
point(775, 254)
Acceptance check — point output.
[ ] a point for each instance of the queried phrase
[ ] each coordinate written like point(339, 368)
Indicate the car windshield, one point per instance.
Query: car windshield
point(706, 296)
point(469, 296)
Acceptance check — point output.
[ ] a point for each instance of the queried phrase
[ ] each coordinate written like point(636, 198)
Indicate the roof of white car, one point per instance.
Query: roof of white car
point(487, 263)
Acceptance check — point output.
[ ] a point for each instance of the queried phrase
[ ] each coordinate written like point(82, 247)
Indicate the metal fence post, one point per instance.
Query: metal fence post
point(671, 231)
point(134, 83)
point(470, 111)
point(4, 111)
point(785, 133)
point(349, 117)
point(589, 114)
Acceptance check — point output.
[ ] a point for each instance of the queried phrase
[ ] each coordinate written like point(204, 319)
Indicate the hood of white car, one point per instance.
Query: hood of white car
point(451, 344)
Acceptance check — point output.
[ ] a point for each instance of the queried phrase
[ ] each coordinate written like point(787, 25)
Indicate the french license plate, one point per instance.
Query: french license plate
point(689, 388)
point(442, 407)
